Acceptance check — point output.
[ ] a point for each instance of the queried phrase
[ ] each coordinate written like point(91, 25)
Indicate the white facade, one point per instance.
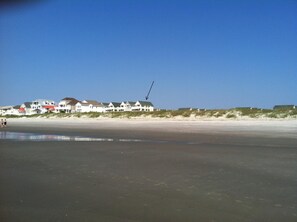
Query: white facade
point(67, 105)
point(64, 106)
point(126, 106)
point(130, 106)
point(143, 106)
point(10, 110)
point(89, 106)
point(7, 110)
point(44, 102)
point(113, 107)
point(41, 106)
point(26, 109)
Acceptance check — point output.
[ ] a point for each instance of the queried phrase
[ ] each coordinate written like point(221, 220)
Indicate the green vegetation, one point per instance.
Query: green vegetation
point(186, 113)
point(231, 115)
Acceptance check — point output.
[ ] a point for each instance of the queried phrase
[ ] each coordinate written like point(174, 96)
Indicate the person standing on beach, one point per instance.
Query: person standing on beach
point(5, 122)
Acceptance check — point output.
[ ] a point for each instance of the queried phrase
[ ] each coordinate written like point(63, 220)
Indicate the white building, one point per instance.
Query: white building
point(113, 107)
point(67, 105)
point(89, 106)
point(5, 109)
point(131, 106)
point(10, 110)
point(26, 108)
point(40, 106)
point(16, 110)
point(143, 106)
point(126, 106)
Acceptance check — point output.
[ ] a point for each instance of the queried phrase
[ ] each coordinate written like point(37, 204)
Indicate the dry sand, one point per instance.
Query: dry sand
point(286, 128)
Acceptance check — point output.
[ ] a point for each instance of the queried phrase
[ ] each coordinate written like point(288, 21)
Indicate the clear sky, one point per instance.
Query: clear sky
point(204, 54)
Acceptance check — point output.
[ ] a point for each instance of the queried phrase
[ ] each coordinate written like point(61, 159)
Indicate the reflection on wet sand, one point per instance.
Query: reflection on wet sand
point(44, 137)
point(6, 135)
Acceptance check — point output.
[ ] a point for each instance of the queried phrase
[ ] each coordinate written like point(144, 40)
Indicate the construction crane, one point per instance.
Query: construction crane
point(147, 96)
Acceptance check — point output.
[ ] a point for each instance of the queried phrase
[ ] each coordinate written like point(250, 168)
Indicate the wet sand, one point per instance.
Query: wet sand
point(189, 172)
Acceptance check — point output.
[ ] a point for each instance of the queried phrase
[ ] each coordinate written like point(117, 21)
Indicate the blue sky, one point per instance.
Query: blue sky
point(205, 54)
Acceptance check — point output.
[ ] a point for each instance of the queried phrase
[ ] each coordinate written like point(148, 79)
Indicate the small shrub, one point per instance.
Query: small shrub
point(230, 115)
point(272, 115)
point(201, 113)
point(187, 114)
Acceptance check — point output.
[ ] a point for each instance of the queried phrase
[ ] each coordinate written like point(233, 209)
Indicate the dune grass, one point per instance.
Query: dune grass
point(166, 114)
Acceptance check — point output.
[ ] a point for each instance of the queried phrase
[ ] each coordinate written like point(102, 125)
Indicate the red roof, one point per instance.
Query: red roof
point(51, 107)
point(22, 110)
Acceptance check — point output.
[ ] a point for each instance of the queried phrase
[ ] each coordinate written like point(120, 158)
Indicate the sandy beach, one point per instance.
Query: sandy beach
point(271, 128)
point(149, 170)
